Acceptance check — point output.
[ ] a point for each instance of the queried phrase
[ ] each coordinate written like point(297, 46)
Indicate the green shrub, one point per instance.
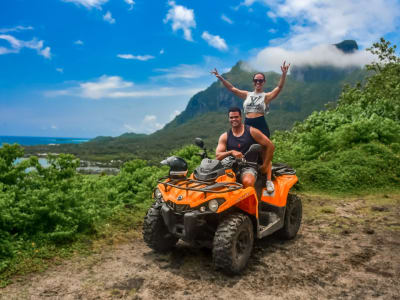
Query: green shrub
point(355, 145)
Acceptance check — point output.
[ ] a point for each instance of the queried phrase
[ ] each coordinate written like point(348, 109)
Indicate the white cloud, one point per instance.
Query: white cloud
point(131, 3)
point(60, 70)
point(149, 118)
point(271, 15)
point(103, 86)
point(226, 19)
point(181, 71)
point(108, 17)
point(130, 128)
point(249, 2)
point(15, 29)
point(326, 22)
point(214, 41)
point(54, 127)
point(174, 114)
point(151, 123)
point(181, 18)
point(78, 42)
point(17, 45)
point(45, 52)
point(271, 58)
point(114, 87)
point(137, 57)
point(88, 3)
point(162, 51)
point(315, 24)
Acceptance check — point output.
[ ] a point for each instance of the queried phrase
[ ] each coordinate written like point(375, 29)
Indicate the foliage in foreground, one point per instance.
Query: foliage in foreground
point(55, 205)
point(356, 145)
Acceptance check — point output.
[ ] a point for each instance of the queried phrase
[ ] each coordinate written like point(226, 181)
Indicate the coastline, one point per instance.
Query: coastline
point(41, 140)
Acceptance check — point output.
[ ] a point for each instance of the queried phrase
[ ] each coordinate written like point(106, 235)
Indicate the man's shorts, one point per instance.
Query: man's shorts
point(249, 170)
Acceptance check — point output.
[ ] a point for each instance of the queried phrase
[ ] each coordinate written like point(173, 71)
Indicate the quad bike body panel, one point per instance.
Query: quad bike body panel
point(282, 184)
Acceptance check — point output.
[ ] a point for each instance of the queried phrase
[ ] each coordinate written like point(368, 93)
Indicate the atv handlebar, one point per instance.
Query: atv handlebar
point(242, 163)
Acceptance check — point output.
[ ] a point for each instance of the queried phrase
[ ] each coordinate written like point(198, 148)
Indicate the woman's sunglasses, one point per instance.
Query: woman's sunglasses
point(258, 80)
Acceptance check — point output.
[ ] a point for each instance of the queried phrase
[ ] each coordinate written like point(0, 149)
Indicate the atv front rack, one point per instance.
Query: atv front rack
point(200, 186)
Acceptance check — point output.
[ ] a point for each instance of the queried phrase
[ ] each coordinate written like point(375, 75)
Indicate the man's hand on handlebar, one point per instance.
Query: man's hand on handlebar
point(237, 154)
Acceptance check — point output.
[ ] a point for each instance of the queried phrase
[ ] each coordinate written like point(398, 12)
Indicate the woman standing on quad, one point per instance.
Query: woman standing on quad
point(256, 103)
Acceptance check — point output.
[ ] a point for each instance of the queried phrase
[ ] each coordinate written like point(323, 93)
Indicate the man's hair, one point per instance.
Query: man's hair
point(235, 109)
point(254, 76)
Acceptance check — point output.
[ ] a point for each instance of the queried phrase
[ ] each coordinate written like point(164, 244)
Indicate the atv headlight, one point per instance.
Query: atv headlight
point(157, 194)
point(213, 205)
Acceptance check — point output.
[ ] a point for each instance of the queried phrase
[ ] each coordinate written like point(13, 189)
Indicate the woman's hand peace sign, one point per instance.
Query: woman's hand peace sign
point(215, 72)
point(285, 68)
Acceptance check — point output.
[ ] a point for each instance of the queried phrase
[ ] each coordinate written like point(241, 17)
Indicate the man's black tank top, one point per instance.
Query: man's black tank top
point(240, 143)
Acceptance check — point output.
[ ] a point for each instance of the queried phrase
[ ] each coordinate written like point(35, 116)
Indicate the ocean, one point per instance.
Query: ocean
point(35, 140)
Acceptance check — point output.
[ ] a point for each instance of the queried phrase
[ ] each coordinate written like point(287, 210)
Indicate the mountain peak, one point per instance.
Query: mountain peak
point(347, 46)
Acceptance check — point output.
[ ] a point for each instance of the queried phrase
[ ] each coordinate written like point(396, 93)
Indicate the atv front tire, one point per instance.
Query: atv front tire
point(155, 232)
point(293, 216)
point(233, 243)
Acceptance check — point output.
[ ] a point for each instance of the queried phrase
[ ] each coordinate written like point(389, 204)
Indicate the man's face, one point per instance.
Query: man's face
point(235, 118)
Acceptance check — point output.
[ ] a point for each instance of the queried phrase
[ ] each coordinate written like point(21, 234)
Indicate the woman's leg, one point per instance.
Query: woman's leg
point(261, 125)
point(268, 171)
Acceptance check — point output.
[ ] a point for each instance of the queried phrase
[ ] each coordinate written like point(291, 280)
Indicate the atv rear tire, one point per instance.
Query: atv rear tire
point(293, 216)
point(233, 243)
point(155, 232)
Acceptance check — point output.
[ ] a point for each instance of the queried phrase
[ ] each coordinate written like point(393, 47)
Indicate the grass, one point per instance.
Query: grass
point(341, 214)
point(121, 228)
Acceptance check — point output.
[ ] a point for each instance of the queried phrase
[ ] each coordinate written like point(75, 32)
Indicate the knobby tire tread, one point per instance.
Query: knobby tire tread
point(155, 232)
point(224, 241)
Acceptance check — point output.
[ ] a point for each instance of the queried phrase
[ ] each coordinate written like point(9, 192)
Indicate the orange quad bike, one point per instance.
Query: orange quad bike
point(211, 208)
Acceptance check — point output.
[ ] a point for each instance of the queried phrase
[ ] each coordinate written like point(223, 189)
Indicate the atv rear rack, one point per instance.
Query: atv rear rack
point(200, 186)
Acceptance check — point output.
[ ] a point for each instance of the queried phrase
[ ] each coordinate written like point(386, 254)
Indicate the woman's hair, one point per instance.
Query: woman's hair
point(254, 76)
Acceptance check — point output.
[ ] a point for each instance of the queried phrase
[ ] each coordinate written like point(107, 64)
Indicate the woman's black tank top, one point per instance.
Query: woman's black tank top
point(240, 143)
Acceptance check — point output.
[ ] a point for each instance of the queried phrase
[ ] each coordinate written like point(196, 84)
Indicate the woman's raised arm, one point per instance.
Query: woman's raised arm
point(275, 92)
point(240, 93)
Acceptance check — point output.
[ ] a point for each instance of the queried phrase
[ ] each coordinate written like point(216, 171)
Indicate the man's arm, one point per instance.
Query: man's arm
point(221, 152)
point(261, 139)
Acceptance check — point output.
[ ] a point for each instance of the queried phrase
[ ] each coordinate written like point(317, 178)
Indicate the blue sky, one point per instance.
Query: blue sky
point(85, 68)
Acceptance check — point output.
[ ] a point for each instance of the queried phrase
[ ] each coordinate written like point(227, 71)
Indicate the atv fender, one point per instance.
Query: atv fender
point(282, 186)
point(246, 200)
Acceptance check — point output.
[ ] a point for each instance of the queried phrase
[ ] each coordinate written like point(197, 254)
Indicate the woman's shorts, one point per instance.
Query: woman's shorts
point(258, 123)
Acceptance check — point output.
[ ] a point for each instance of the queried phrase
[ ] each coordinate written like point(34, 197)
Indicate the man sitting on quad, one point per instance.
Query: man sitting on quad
point(238, 140)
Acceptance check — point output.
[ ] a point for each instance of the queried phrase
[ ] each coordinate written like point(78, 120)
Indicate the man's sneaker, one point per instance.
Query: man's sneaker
point(270, 186)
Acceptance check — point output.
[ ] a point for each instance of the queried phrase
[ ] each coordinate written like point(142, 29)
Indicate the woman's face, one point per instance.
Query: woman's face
point(258, 81)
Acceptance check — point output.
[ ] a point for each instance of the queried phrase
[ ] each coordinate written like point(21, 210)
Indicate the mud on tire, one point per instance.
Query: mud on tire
point(233, 243)
point(293, 216)
point(155, 232)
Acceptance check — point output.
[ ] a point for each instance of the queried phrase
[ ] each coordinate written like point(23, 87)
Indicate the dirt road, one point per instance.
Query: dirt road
point(346, 249)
